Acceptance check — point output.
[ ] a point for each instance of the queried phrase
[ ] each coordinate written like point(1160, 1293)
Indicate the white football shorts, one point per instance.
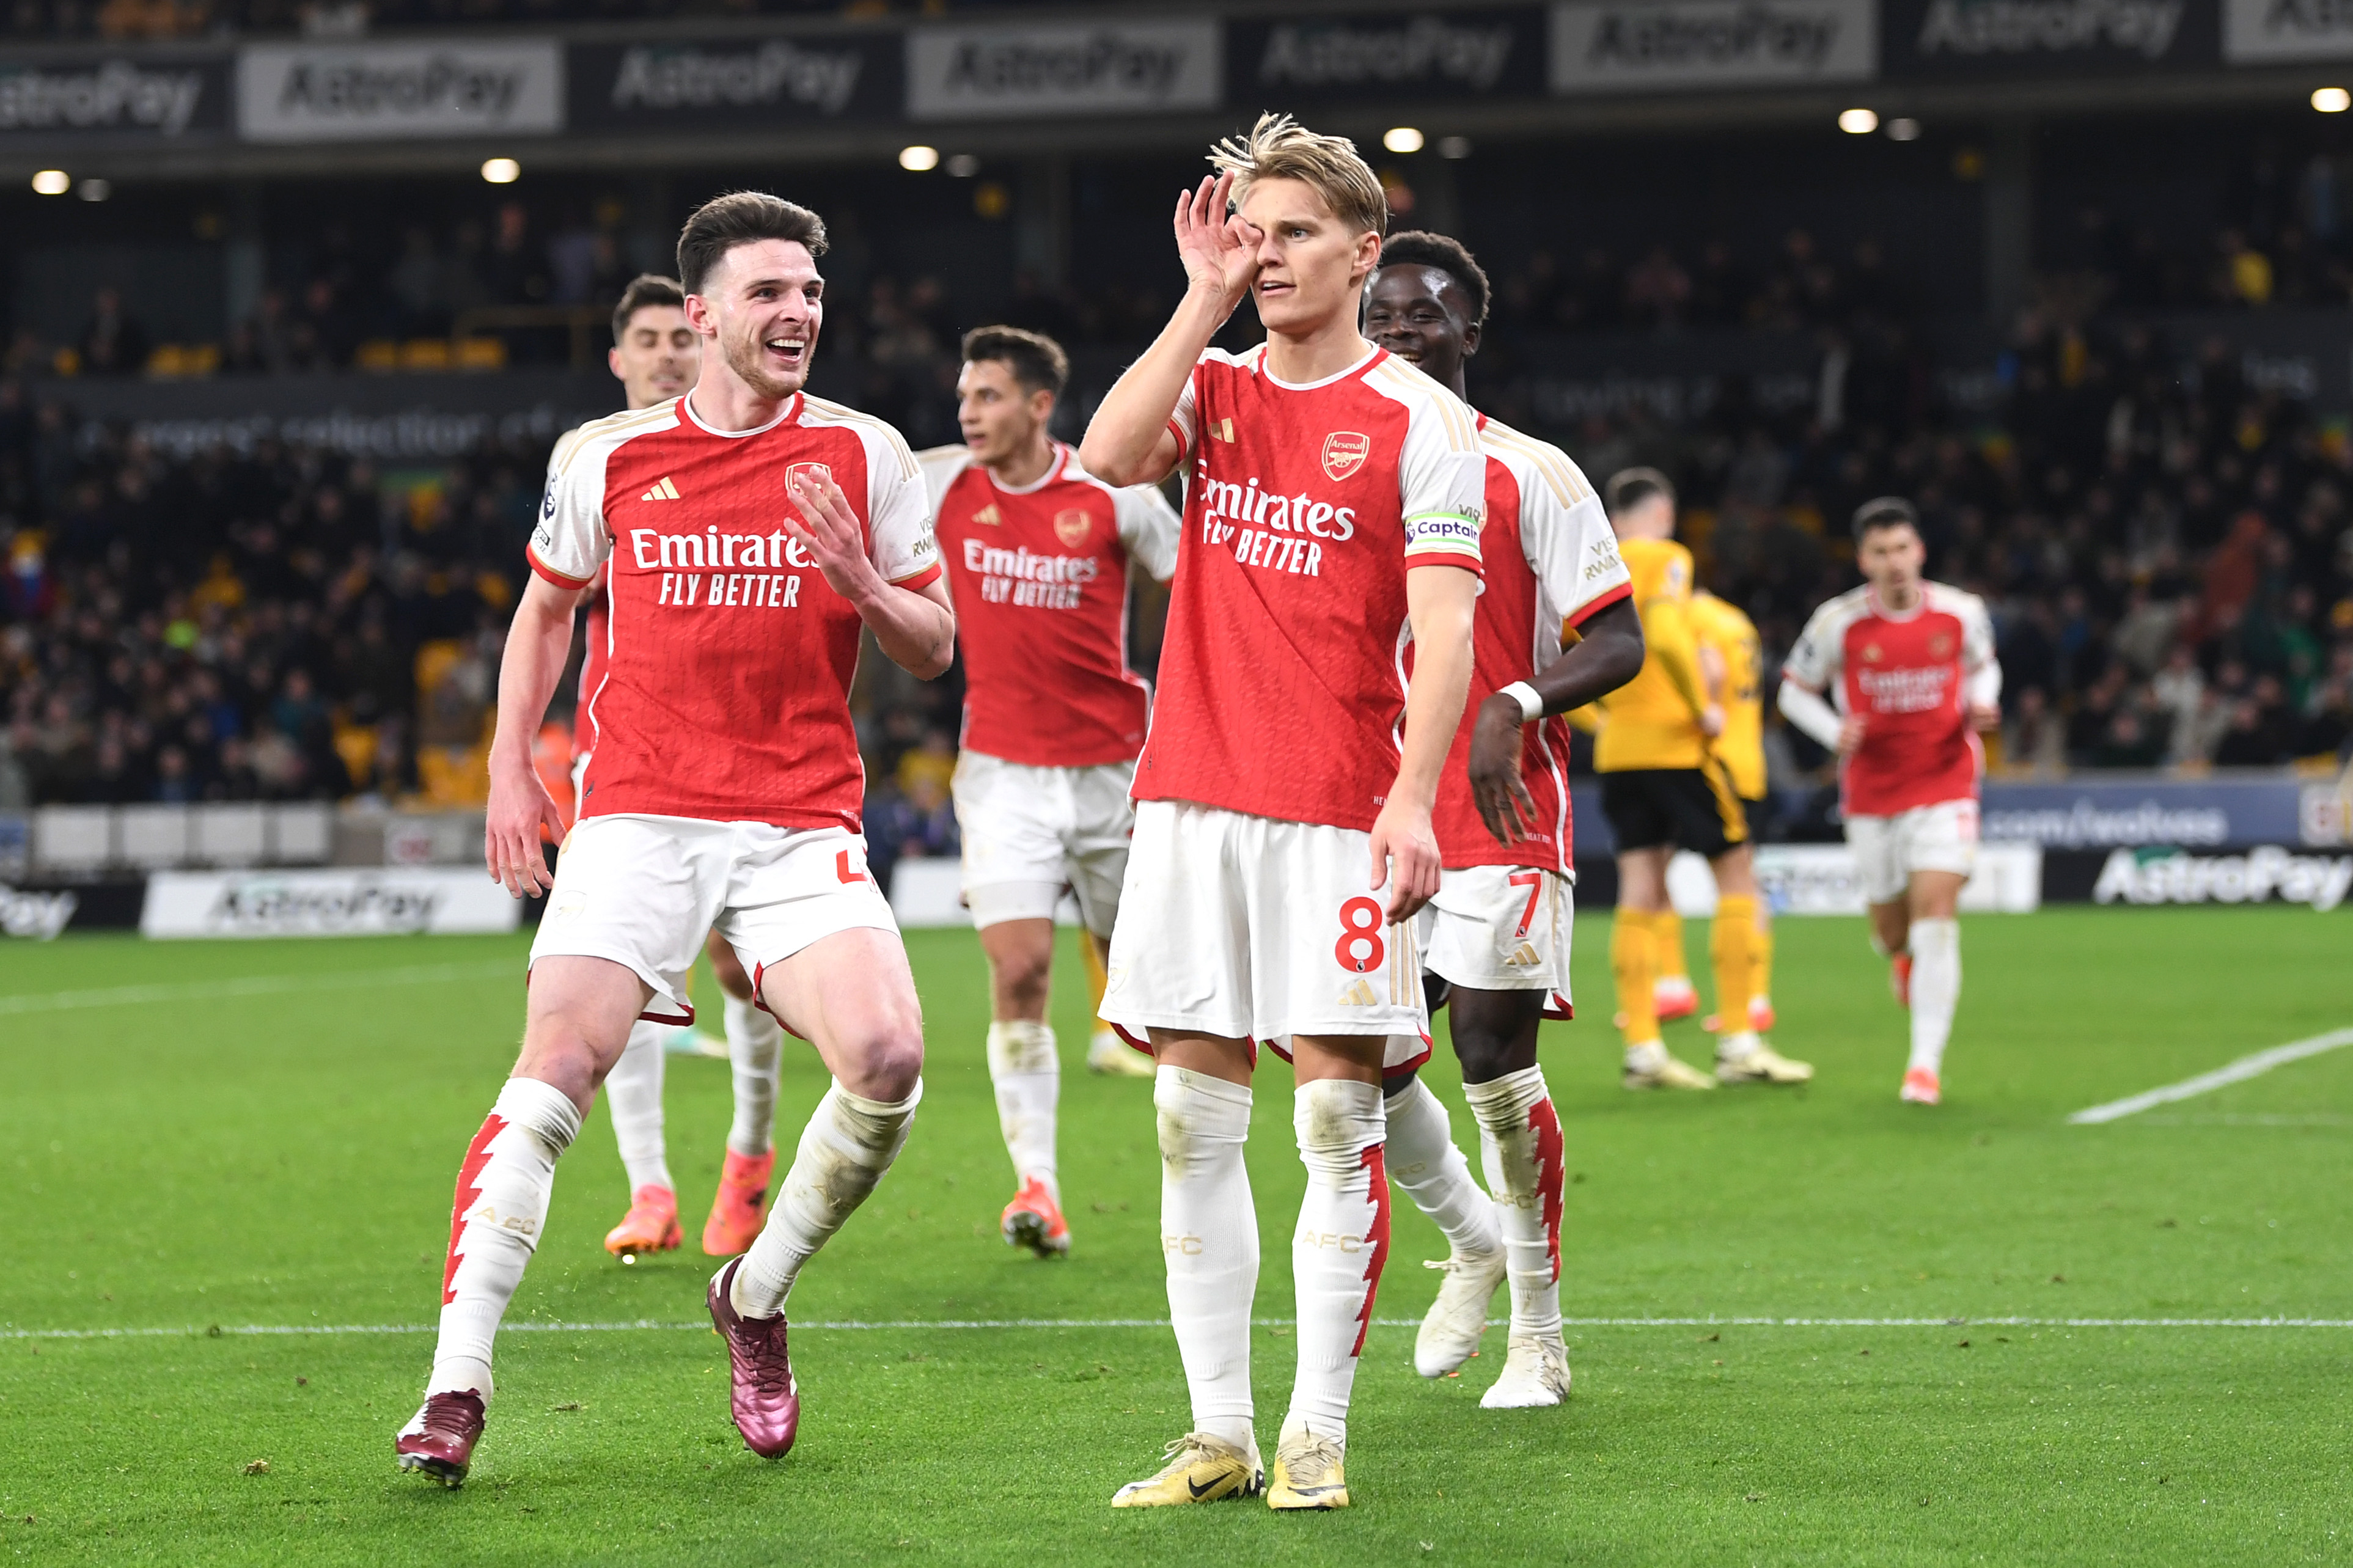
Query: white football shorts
point(1888, 849)
point(1250, 928)
point(643, 891)
point(1499, 928)
point(1030, 832)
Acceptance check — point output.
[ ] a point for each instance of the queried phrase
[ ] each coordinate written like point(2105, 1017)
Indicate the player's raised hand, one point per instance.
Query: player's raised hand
point(1219, 251)
point(1404, 859)
point(829, 531)
point(1496, 787)
point(512, 844)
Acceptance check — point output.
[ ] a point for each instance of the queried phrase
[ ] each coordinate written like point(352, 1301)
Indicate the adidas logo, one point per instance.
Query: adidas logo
point(1525, 957)
point(1223, 430)
point(1358, 995)
point(989, 515)
point(665, 490)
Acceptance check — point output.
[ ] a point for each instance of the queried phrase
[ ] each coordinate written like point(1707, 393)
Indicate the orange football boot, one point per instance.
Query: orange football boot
point(1920, 1087)
point(1674, 997)
point(1034, 1220)
point(650, 1225)
point(741, 1206)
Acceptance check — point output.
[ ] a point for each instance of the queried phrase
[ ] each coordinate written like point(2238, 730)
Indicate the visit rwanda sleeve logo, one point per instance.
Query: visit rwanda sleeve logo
point(1345, 452)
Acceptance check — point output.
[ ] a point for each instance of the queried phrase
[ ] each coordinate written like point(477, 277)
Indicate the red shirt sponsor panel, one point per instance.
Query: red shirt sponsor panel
point(1907, 675)
point(1550, 559)
point(725, 692)
point(1040, 578)
point(1282, 675)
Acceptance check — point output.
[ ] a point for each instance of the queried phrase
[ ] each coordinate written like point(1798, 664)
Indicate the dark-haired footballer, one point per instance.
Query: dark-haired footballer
point(1499, 928)
point(1039, 554)
point(750, 533)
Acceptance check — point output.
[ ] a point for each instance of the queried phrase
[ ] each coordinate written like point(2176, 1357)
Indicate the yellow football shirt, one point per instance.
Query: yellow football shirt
point(1652, 720)
point(1719, 625)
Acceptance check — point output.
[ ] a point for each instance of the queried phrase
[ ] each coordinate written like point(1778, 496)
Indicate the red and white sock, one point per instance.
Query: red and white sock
point(848, 1143)
point(1026, 1073)
point(633, 1092)
point(756, 1049)
point(1422, 1159)
point(494, 1224)
point(1520, 1144)
point(1209, 1240)
point(1337, 1251)
point(1935, 989)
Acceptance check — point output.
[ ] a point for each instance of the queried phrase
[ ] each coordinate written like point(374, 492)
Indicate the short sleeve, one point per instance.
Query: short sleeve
point(1442, 484)
point(898, 511)
point(1977, 634)
point(1184, 423)
point(1573, 552)
point(940, 466)
point(571, 540)
point(1148, 526)
point(1813, 662)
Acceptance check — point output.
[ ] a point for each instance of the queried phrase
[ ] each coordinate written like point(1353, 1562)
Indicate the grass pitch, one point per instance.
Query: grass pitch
point(264, 1134)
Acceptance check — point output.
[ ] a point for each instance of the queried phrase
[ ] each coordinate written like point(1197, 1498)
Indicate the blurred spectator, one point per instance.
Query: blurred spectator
point(113, 343)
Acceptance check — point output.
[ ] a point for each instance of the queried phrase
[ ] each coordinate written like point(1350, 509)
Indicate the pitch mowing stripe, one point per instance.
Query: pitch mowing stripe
point(252, 986)
point(853, 1325)
point(2245, 1068)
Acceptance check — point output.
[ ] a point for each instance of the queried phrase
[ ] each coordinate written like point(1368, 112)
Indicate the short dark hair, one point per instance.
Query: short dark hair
point(1037, 361)
point(646, 290)
point(1419, 248)
point(741, 218)
point(1885, 511)
point(1630, 487)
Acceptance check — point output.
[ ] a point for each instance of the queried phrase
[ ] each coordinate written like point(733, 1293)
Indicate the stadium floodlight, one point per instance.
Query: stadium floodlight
point(2331, 100)
point(52, 181)
point(1402, 139)
point(1904, 129)
point(502, 171)
point(1456, 147)
point(95, 189)
point(964, 166)
point(1858, 122)
point(919, 159)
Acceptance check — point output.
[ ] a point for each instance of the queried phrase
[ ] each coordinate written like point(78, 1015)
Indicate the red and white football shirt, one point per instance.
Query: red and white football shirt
point(1040, 578)
point(1282, 675)
point(726, 690)
point(597, 638)
point(1551, 559)
point(1907, 675)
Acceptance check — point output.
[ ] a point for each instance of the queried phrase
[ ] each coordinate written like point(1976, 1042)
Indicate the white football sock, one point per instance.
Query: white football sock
point(1337, 1251)
point(633, 1092)
point(1209, 1238)
point(848, 1144)
point(1028, 1073)
point(1422, 1159)
point(756, 1049)
point(1649, 1056)
point(1738, 1046)
point(1520, 1144)
point(494, 1224)
point(1935, 989)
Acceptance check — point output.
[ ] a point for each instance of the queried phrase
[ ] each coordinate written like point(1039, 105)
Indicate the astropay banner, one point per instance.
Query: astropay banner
point(1647, 46)
point(358, 901)
point(1003, 70)
point(350, 92)
point(2276, 32)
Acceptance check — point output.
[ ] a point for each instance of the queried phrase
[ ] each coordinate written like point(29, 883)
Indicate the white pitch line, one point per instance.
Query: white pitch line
point(252, 986)
point(2239, 1071)
point(866, 1326)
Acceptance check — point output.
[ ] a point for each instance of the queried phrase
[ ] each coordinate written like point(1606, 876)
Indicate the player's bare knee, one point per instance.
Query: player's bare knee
point(888, 1060)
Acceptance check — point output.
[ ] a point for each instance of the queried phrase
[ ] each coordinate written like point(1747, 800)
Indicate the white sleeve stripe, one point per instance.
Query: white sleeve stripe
point(1411, 387)
point(1561, 476)
point(831, 413)
point(612, 431)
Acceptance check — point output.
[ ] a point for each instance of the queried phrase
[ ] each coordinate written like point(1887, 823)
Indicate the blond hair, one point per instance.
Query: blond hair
point(1280, 148)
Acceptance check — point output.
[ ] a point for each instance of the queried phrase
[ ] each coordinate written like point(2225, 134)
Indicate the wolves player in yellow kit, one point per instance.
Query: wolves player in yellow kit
point(1663, 788)
point(1731, 670)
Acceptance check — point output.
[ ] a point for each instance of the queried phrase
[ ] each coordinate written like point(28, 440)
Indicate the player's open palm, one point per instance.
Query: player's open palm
point(829, 531)
point(1219, 251)
point(512, 843)
point(1405, 859)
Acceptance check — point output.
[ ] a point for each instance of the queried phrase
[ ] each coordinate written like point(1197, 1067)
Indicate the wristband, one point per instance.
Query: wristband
point(1531, 705)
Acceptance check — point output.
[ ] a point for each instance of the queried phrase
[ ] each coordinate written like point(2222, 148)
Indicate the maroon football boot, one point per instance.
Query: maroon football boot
point(440, 1440)
point(763, 1396)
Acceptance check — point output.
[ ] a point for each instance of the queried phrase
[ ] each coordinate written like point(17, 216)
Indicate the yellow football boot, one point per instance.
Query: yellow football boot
point(1201, 1468)
point(1308, 1473)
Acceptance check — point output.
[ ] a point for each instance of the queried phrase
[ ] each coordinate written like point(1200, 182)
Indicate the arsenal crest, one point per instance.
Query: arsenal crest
point(1870, 652)
point(1940, 646)
point(1072, 527)
point(811, 472)
point(1345, 452)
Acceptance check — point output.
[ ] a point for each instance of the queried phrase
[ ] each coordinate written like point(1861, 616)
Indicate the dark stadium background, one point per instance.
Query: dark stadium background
point(274, 410)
